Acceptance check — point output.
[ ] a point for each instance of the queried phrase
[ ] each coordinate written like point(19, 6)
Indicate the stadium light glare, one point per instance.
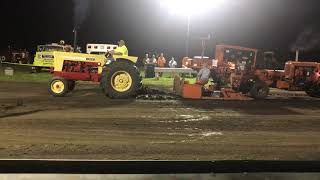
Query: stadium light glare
point(191, 7)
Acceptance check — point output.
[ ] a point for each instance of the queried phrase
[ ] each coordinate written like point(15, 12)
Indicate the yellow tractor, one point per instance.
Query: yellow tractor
point(118, 75)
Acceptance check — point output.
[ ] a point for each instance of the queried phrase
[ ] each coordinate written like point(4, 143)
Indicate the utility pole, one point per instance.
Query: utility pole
point(297, 55)
point(188, 36)
point(203, 44)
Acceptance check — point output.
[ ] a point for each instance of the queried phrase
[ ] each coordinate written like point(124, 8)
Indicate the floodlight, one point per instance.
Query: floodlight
point(190, 7)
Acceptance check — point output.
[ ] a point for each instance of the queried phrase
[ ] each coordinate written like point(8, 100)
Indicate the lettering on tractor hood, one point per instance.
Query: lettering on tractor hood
point(80, 58)
point(74, 57)
point(45, 56)
point(90, 59)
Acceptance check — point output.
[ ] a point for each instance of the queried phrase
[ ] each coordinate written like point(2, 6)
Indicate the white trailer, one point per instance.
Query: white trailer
point(100, 48)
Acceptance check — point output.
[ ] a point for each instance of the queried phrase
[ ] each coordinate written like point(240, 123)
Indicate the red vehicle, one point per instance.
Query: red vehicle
point(312, 85)
point(296, 74)
point(15, 56)
point(233, 72)
point(236, 67)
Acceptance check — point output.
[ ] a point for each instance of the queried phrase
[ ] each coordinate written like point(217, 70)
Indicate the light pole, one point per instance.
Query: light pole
point(188, 36)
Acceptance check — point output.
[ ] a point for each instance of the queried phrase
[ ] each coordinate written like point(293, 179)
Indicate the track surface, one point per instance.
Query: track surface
point(87, 125)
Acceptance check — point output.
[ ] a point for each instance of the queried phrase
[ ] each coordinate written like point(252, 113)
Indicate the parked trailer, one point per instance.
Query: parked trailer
point(100, 48)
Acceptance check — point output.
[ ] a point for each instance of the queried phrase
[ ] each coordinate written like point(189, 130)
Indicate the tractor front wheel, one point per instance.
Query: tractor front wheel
point(313, 89)
point(122, 81)
point(58, 87)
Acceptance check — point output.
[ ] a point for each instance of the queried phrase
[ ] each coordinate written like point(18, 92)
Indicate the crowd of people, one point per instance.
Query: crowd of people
point(160, 61)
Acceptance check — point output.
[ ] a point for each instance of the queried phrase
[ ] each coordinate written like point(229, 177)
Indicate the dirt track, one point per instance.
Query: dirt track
point(87, 125)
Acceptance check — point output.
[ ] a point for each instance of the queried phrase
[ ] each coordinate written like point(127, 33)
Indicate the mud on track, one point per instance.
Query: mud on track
point(88, 125)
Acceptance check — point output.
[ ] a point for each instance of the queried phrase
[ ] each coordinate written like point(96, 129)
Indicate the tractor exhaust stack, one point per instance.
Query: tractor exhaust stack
point(75, 36)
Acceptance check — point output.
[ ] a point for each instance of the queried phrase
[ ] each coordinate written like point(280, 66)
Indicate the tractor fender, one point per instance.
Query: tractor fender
point(124, 60)
point(111, 61)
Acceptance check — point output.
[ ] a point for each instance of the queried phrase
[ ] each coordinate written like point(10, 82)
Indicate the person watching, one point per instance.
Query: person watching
point(154, 59)
point(172, 63)
point(146, 59)
point(161, 60)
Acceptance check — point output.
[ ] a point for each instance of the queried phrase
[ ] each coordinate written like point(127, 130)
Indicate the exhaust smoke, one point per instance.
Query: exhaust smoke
point(306, 40)
point(81, 8)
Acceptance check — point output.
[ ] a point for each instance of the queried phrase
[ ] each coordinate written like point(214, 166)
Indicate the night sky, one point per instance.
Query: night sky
point(269, 25)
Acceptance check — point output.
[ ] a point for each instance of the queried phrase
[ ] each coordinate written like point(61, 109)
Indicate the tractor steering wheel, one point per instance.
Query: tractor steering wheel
point(108, 54)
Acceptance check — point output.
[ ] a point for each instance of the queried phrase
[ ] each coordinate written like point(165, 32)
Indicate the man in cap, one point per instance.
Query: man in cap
point(61, 42)
point(121, 50)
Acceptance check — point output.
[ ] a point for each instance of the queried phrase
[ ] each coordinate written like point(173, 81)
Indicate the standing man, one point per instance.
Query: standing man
point(203, 75)
point(150, 65)
point(121, 50)
point(154, 59)
point(172, 63)
point(161, 60)
point(146, 59)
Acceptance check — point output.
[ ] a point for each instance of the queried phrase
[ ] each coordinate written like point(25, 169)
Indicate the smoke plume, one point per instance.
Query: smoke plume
point(81, 8)
point(307, 40)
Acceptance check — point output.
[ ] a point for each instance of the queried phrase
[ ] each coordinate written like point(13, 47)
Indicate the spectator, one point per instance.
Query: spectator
point(78, 50)
point(61, 42)
point(161, 60)
point(146, 59)
point(172, 63)
point(149, 67)
point(154, 59)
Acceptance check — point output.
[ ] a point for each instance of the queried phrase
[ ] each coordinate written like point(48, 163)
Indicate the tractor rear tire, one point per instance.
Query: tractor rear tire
point(313, 94)
point(58, 87)
point(122, 81)
point(259, 90)
point(313, 89)
point(71, 85)
point(103, 82)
